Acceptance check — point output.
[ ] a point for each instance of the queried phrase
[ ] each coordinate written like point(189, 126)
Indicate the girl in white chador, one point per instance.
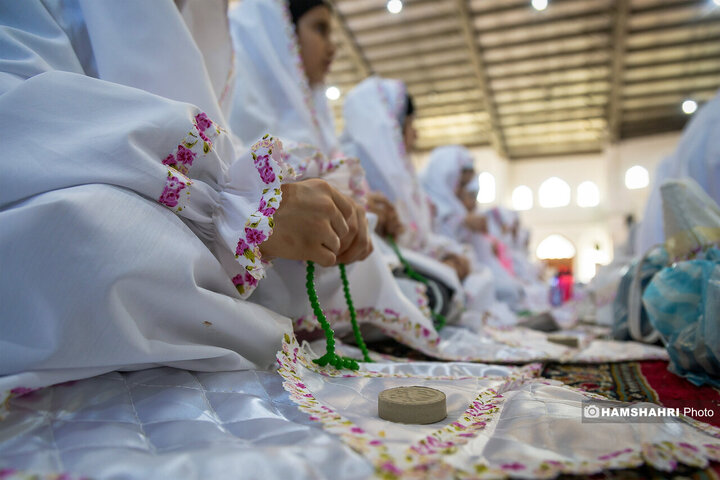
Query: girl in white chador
point(283, 52)
point(132, 228)
point(448, 171)
point(379, 130)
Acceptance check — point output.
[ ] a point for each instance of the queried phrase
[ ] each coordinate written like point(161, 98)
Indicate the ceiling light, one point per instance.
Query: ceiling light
point(689, 106)
point(332, 93)
point(394, 6)
point(539, 5)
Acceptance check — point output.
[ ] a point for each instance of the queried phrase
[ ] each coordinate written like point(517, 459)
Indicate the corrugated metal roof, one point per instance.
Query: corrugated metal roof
point(565, 80)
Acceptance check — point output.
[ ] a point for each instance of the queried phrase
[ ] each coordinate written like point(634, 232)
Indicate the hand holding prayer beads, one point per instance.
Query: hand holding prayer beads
point(310, 223)
point(388, 220)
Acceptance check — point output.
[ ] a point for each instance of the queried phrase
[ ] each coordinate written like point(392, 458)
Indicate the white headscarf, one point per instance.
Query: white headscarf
point(440, 180)
point(698, 157)
point(374, 112)
point(272, 90)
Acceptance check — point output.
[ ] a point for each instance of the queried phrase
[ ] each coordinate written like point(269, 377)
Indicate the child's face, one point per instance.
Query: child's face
point(409, 133)
point(316, 47)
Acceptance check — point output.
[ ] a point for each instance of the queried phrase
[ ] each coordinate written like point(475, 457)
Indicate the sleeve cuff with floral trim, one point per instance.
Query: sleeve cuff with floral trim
point(269, 159)
point(242, 206)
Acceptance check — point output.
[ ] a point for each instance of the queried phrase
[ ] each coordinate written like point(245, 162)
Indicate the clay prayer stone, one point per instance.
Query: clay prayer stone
point(415, 405)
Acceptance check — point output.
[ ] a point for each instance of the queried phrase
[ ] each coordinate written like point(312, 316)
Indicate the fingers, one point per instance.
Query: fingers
point(343, 203)
point(358, 249)
point(338, 223)
point(323, 257)
point(331, 241)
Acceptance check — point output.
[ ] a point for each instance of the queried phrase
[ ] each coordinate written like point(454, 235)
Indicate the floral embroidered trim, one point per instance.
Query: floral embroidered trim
point(13, 474)
point(393, 324)
point(180, 161)
point(171, 196)
point(269, 160)
point(425, 459)
point(421, 458)
point(313, 163)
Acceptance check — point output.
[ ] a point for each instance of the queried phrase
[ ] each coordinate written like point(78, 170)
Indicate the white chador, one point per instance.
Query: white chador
point(123, 201)
point(698, 157)
point(273, 93)
point(440, 179)
point(374, 112)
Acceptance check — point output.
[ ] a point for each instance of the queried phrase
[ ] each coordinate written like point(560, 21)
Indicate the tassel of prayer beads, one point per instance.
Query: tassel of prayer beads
point(330, 356)
point(353, 315)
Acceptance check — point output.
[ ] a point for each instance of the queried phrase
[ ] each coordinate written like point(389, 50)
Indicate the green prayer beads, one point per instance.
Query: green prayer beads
point(438, 319)
point(353, 315)
point(330, 357)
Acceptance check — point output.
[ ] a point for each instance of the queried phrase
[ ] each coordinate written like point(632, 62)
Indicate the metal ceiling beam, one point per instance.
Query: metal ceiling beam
point(670, 5)
point(549, 20)
point(520, 6)
point(681, 76)
point(547, 56)
point(603, 30)
point(617, 68)
point(405, 23)
point(681, 24)
point(569, 115)
point(551, 98)
point(496, 134)
point(660, 45)
point(549, 71)
point(356, 53)
point(687, 59)
point(552, 84)
point(540, 151)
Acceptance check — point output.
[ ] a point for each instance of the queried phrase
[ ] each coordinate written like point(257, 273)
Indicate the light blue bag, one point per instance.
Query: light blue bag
point(683, 303)
point(630, 321)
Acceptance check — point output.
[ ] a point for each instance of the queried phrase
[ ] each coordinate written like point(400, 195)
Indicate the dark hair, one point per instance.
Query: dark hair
point(409, 105)
point(298, 8)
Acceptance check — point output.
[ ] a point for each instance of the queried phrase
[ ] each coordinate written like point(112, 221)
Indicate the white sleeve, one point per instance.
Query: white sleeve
point(68, 129)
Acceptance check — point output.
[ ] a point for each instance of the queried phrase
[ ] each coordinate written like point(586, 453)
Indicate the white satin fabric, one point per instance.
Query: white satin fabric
point(167, 423)
point(97, 274)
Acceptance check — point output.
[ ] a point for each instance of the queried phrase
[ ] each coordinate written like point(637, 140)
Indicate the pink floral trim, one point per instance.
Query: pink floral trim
point(421, 458)
point(425, 459)
point(198, 141)
point(392, 323)
point(172, 195)
point(13, 474)
point(269, 159)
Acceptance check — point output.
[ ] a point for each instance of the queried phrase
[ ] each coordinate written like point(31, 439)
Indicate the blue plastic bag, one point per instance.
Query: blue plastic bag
point(683, 303)
point(630, 321)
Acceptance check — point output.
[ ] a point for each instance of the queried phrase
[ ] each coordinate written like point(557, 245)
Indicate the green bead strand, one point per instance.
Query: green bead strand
point(353, 315)
point(438, 319)
point(330, 356)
